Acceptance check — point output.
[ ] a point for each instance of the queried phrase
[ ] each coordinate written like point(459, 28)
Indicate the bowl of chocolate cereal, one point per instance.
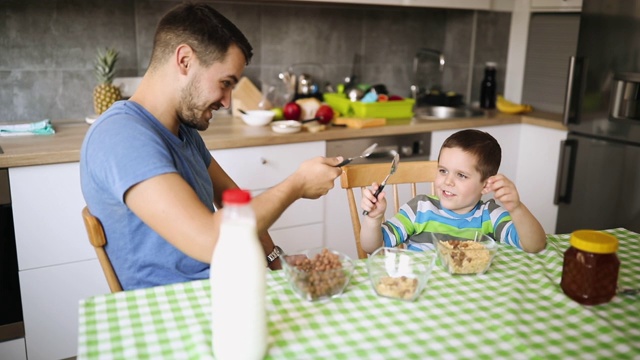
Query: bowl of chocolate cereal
point(318, 274)
point(399, 273)
point(465, 253)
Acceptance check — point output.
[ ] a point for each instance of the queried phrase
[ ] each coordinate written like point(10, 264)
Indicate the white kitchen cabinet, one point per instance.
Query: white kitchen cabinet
point(47, 205)
point(530, 159)
point(259, 168)
point(57, 265)
point(50, 297)
point(13, 350)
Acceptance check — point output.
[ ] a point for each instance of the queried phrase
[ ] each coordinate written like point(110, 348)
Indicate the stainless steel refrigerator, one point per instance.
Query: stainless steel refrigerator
point(598, 183)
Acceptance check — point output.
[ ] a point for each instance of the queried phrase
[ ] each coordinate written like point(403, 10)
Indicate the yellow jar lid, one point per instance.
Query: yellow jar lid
point(594, 241)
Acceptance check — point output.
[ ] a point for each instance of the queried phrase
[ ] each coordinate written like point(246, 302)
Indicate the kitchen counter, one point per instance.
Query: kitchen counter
point(228, 132)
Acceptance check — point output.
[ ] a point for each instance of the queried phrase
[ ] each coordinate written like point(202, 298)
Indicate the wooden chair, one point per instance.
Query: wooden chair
point(98, 239)
point(362, 175)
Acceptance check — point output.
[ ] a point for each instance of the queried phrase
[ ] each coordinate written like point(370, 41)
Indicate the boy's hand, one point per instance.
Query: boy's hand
point(504, 191)
point(375, 207)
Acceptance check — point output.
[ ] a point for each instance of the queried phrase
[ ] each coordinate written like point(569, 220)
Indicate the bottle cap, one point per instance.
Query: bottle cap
point(236, 196)
point(594, 241)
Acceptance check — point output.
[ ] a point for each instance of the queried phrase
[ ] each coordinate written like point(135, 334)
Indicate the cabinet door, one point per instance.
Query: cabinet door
point(537, 172)
point(298, 238)
point(262, 167)
point(47, 204)
point(50, 299)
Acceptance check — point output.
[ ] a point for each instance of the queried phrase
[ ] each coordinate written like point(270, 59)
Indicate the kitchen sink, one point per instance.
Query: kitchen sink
point(446, 113)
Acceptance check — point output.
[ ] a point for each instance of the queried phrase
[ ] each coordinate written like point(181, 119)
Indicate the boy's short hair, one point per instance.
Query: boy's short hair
point(480, 144)
point(204, 29)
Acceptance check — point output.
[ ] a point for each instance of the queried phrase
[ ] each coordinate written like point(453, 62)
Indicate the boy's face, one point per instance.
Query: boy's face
point(458, 184)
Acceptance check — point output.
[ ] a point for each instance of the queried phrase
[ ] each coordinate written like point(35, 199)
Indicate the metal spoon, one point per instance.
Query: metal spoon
point(394, 167)
point(364, 154)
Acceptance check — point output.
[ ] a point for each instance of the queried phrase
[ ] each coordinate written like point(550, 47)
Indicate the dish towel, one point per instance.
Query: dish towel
point(42, 127)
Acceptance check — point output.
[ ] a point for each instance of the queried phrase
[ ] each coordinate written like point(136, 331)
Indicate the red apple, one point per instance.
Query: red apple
point(292, 111)
point(324, 114)
point(395, 98)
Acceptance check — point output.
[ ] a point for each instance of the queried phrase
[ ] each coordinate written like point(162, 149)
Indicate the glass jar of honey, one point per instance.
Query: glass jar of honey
point(590, 269)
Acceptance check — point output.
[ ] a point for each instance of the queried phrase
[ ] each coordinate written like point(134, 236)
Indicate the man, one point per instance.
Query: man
point(146, 173)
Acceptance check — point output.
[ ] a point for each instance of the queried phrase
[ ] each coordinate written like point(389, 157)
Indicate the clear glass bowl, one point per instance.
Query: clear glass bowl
point(318, 274)
point(399, 273)
point(467, 253)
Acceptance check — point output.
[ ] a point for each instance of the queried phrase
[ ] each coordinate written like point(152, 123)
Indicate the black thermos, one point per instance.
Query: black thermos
point(488, 88)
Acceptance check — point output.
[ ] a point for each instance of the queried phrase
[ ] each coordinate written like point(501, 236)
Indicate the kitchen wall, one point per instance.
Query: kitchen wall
point(49, 46)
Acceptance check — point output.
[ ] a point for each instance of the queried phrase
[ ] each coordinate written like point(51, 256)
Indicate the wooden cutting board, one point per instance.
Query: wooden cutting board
point(245, 96)
point(359, 123)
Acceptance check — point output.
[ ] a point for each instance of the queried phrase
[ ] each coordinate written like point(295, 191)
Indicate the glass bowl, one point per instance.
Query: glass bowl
point(399, 273)
point(318, 274)
point(465, 253)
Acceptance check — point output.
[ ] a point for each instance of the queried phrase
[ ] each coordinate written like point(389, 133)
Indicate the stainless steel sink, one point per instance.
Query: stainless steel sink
point(446, 113)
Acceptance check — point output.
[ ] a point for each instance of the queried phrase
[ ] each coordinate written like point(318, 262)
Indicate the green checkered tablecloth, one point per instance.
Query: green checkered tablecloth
point(514, 311)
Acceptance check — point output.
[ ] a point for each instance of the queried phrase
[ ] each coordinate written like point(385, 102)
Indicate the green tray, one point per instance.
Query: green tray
point(398, 109)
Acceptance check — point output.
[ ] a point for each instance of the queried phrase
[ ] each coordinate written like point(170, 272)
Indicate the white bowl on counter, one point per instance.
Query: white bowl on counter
point(257, 117)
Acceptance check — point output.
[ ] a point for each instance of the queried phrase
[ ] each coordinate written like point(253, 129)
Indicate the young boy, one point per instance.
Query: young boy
point(467, 166)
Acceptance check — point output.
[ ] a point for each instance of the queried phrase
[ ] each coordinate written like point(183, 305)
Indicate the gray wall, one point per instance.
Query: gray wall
point(48, 46)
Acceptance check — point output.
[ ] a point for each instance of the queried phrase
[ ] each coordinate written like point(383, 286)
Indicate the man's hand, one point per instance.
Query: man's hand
point(315, 177)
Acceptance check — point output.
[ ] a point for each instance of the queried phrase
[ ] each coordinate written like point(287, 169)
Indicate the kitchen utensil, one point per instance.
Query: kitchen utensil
point(364, 154)
point(394, 167)
point(242, 111)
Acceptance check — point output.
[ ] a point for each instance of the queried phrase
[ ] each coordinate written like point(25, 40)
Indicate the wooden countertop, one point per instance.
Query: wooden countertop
point(227, 132)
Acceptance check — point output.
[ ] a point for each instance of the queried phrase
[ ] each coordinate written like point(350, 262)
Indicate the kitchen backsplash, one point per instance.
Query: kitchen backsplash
point(48, 47)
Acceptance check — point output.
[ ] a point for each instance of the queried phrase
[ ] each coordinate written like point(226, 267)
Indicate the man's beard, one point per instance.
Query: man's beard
point(187, 111)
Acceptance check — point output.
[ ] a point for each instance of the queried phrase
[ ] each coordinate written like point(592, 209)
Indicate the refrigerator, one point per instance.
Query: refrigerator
point(598, 184)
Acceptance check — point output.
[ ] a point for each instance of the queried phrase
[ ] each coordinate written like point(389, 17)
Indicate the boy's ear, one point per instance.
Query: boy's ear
point(485, 187)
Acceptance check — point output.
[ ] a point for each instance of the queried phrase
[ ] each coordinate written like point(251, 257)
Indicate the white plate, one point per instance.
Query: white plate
point(286, 126)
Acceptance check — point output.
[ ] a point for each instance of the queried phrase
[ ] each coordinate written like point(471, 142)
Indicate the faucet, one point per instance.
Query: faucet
point(421, 53)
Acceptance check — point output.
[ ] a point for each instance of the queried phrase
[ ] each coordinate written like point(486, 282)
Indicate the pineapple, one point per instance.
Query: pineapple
point(105, 93)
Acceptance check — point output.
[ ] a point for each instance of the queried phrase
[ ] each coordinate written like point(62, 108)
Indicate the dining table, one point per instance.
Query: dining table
point(515, 310)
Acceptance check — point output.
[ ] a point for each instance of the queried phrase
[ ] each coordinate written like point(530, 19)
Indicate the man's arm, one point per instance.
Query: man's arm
point(167, 204)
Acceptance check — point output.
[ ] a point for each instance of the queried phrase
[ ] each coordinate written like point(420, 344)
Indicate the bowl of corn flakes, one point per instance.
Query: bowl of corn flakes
point(465, 253)
point(399, 273)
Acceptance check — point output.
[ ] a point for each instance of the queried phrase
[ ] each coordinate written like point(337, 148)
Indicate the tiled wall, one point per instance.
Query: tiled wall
point(48, 46)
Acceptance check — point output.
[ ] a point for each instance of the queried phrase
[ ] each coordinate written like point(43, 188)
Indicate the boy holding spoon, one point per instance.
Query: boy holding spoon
point(467, 169)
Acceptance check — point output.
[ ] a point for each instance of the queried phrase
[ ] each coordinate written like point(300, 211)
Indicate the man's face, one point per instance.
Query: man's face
point(209, 89)
point(458, 184)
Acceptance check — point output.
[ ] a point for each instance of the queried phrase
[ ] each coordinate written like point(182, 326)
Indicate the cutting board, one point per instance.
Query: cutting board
point(245, 96)
point(359, 123)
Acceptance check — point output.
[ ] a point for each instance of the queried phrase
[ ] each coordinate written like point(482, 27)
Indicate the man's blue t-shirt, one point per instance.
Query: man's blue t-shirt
point(128, 145)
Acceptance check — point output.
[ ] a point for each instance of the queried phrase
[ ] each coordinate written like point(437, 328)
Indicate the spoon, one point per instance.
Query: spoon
point(364, 154)
point(242, 111)
point(394, 167)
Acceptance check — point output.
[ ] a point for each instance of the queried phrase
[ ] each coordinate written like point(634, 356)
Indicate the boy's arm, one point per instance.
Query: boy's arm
point(532, 236)
point(370, 226)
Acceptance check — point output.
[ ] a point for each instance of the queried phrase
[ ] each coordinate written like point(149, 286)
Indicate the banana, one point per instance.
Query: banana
point(508, 107)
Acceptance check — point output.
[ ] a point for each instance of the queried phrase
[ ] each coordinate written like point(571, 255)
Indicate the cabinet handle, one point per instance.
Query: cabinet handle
point(564, 182)
point(572, 100)
point(263, 161)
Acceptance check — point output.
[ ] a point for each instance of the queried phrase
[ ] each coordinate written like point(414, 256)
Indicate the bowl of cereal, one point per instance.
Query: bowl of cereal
point(399, 273)
point(465, 253)
point(318, 274)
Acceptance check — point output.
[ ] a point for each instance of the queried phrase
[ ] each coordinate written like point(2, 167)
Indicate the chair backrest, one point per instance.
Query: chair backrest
point(362, 175)
point(98, 239)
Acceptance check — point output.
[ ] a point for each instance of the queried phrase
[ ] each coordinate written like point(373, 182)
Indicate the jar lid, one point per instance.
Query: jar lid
point(594, 241)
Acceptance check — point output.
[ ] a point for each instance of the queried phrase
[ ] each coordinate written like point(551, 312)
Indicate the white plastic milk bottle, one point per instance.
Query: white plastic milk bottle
point(237, 278)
